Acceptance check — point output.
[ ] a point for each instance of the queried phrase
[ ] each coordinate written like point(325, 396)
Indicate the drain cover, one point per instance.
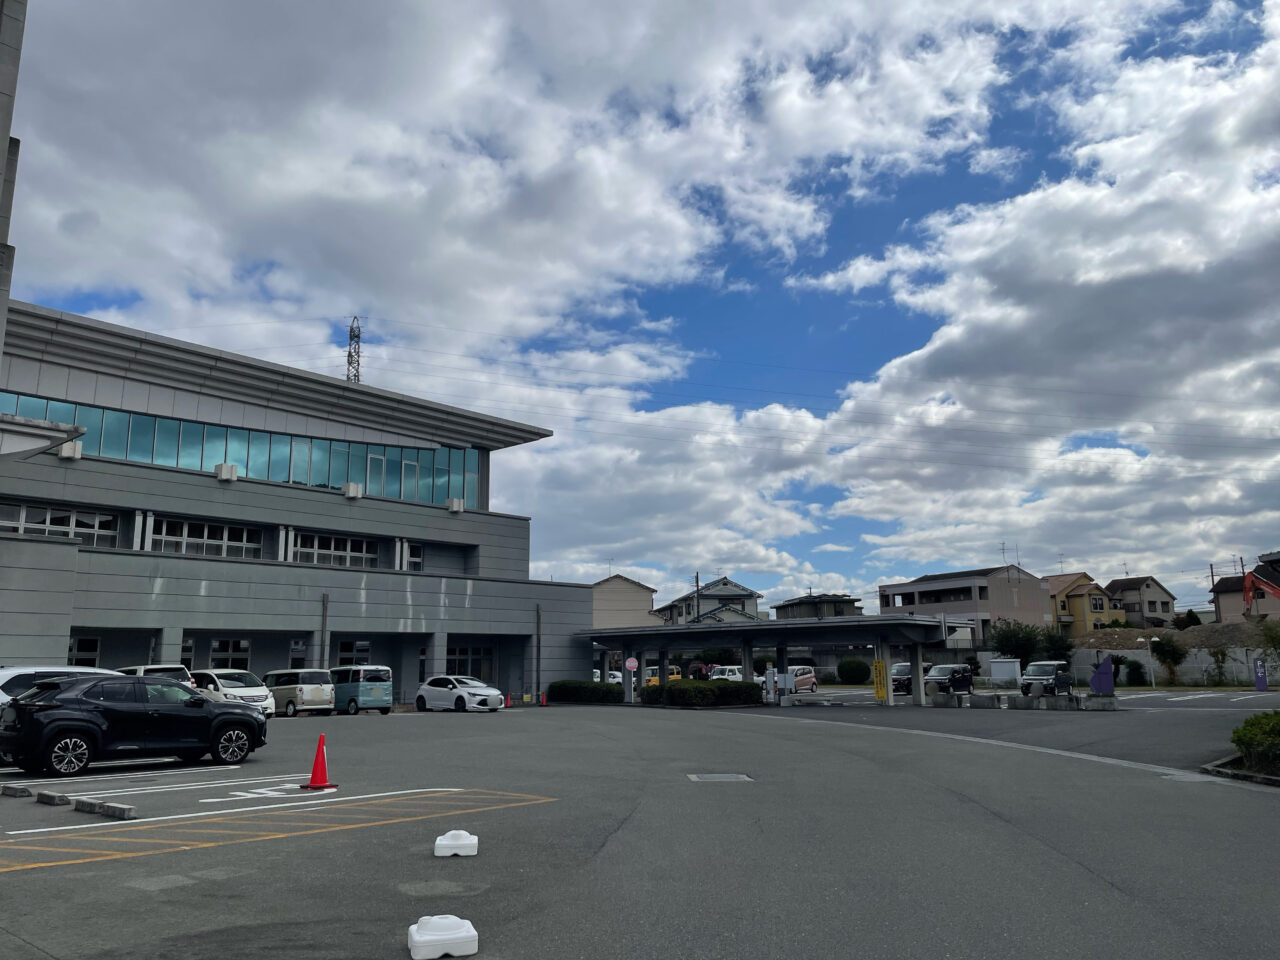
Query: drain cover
point(709, 777)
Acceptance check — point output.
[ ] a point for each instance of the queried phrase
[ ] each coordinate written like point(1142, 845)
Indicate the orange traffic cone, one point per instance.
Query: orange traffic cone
point(320, 770)
point(508, 699)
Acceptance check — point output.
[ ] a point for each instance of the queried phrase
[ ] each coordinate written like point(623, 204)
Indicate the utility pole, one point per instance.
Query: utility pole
point(697, 598)
point(353, 351)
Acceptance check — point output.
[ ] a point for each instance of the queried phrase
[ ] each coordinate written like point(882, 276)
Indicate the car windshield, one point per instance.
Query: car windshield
point(1042, 670)
point(469, 682)
point(314, 676)
point(239, 680)
point(941, 670)
point(901, 669)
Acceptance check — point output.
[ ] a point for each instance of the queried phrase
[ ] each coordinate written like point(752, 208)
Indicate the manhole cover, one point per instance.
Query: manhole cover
point(709, 777)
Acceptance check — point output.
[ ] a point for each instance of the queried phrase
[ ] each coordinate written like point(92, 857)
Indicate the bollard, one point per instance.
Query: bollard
point(433, 937)
point(457, 843)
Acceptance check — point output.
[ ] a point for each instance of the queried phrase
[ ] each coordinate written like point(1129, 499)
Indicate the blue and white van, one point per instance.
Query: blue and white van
point(361, 687)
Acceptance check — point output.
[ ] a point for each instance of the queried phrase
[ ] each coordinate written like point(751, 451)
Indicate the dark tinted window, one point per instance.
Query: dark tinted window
point(438, 682)
point(17, 683)
point(112, 691)
point(377, 676)
point(160, 691)
point(43, 690)
point(314, 676)
point(339, 676)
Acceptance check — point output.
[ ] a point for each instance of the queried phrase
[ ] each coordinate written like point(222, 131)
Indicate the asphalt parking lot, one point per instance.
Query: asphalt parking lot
point(861, 832)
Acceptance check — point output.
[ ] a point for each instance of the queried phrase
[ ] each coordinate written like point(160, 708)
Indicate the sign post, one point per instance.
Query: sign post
point(880, 677)
point(1260, 674)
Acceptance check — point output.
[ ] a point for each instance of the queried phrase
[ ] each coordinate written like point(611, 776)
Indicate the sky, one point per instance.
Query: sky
point(814, 295)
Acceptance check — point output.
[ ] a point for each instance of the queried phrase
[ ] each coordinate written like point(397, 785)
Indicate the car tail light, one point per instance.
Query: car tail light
point(299, 691)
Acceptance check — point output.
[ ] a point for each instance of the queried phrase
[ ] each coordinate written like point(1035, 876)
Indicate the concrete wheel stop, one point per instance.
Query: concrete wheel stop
point(442, 936)
point(457, 843)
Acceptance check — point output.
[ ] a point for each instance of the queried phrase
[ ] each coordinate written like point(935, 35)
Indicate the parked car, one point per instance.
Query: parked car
point(458, 693)
point(16, 680)
point(615, 676)
point(300, 691)
point(223, 683)
point(950, 677)
point(803, 679)
point(64, 725)
point(651, 675)
point(363, 687)
point(1054, 676)
point(900, 676)
point(174, 671)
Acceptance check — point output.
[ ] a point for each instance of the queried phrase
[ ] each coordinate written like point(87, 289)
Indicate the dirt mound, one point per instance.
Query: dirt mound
point(1207, 636)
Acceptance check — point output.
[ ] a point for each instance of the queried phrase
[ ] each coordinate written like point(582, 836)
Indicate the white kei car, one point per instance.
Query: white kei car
point(458, 693)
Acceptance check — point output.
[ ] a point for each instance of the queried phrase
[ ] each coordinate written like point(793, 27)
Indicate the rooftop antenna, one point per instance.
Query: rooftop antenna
point(353, 351)
point(1126, 567)
point(1060, 570)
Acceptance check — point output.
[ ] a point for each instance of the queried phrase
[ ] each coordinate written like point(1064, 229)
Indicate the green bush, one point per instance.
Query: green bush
point(653, 696)
point(1135, 674)
point(736, 693)
point(1258, 740)
point(853, 670)
point(691, 693)
point(828, 677)
point(583, 691)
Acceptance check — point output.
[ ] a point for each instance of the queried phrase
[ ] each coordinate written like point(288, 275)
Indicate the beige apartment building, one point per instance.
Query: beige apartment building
point(1006, 592)
point(619, 601)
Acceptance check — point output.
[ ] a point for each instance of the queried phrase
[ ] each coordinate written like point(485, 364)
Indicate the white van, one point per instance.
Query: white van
point(225, 683)
point(300, 691)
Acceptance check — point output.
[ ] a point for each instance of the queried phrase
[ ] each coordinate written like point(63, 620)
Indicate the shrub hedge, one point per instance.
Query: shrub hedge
point(1258, 740)
point(701, 693)
point(853, 670)
point(584, 691)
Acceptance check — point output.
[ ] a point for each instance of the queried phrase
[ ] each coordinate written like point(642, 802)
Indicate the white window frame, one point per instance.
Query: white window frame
point(178, 532)
point(93, 534)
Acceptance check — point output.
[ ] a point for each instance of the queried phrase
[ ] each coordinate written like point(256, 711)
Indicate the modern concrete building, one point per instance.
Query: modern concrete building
point(985, 596)
point(1080, 605)
point(1145, 600)
point(223, 511)
point(819, 606)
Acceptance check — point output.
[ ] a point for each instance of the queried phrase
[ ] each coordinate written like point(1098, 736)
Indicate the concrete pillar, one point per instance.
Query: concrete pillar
point(168, 646)
point(917, 675)
point(406, 671)
point(884, 652)
point(602, 664)
point(663, 659)
point(437, 654)
point(628, 677)
point(748, 671)
point(780, 658)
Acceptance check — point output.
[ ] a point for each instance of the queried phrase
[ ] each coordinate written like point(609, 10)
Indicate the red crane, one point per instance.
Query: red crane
point(1253, 582)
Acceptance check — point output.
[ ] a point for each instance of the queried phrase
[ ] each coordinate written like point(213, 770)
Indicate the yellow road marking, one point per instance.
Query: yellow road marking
point(269, 824)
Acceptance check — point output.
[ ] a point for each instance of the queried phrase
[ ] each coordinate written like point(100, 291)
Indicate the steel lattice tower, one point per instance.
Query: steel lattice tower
point(353, 351)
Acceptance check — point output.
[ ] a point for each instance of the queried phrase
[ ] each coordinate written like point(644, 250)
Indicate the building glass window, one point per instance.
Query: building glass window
point(377, 469)
point(167, 442)
point(238, 449)
point(409, 479)
point(83, 652)
point(319, 463)
point(441, 492)
point(226, 653)
point(94, 529)
point(61, 412)
point(1096, 604)
point(191, 446)
point(142, 438)
point(1151, 606)
point(471, 485)
point(8, 403)
point(1164, 606)
point(91, 419)
point(356, 464)
point(335, 551)
point(115, 434)
point(470, 662)
point(337, 465)
point(32, 407)
point(215, 447)
point(259, 455)
point(354, 652)
point(456, 471)
point(426, 467)
point(413, 557)
point(297, 654)
point(279, 458)
point(391, 486)
point(200, 538)
point(300, 466)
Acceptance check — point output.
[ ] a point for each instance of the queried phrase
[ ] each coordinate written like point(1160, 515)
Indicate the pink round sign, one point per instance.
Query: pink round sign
point(632, 663)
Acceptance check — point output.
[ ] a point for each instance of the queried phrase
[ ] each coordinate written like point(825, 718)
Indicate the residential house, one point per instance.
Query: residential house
point(1080, 605)
point(819, 606)
point(993, 593)
point(1145, 600)
point(619, 601)
point(719, 601)
point(1228, 593)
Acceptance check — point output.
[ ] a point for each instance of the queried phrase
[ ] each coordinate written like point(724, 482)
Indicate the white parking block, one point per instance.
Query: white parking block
point(433, 937)
point(457, 843)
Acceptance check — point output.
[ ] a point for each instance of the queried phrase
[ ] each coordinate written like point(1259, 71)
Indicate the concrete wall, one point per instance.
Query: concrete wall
point(37, 594)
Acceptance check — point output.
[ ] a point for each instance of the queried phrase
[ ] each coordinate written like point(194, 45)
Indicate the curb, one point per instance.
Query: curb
point(1219, 768)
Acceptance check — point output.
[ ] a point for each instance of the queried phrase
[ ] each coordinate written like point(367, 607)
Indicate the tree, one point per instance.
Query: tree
point(1170, 653)
point(725, 656)
point(1057, 646)
point(1193, 619)
point(1118, 660)
point(1020, 641)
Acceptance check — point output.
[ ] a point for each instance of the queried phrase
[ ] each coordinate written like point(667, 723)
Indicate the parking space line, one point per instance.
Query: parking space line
point(116, 776)
point(1196, 696)
point(270, 822)
point(199, 785)
point(1248, 697)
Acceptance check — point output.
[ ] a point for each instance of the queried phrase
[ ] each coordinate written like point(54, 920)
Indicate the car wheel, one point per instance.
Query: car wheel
point(231, 746)
point(68, 754)
point(814, 688)
point(353, 708)
point(384, 710)
point(421, 705)
point(290, 709)
point(460, 705)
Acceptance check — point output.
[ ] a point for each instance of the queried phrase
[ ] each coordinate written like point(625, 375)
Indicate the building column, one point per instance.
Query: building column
point(662, 666)
point(884, 653)
point(748, 671)
point(315, 651)
point(628, 677)
point(406, 672)
point(604, 666)
point(167, 647)
point(917, 675)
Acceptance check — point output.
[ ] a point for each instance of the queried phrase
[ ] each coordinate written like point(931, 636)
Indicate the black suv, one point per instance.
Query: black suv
point(64, 725)
point(950, 677)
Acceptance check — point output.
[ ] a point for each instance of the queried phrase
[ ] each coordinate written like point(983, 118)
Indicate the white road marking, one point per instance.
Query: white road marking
point(1196, 696)
point(223, 813)
point(283, 790)
point(188, 786)
point(1108, 761)
point(1136, 696)
point(116, 776)
point(1249, 696)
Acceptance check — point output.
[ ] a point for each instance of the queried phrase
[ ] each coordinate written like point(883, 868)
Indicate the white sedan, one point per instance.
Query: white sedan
point(458, 693)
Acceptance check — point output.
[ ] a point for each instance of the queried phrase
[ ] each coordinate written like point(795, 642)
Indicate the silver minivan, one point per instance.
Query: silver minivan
point(298, 691)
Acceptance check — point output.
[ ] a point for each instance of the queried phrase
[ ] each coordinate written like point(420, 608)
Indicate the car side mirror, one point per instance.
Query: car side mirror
point(196, 701)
